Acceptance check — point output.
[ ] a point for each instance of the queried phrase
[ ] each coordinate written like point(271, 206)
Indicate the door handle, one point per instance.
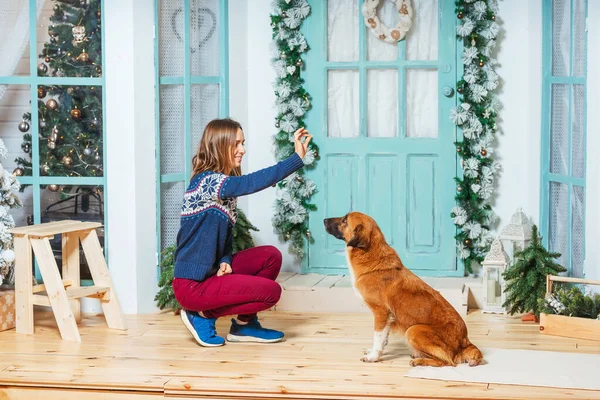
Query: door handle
point(448, 91)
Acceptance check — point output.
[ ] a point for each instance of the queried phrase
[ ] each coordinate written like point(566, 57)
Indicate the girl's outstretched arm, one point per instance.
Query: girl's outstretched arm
point(234, 186)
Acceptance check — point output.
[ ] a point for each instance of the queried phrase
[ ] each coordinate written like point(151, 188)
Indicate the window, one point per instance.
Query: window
point(52, 89)
point(563, 183)
point(192, 81)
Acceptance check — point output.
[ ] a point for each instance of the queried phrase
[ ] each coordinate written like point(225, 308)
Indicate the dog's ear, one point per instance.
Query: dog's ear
point(360, 238)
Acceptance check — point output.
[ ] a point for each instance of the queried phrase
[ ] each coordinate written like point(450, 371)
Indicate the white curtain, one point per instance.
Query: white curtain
point(14, 34)
point(421, 119)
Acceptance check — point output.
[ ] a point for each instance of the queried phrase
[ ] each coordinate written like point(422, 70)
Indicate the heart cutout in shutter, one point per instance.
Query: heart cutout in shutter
point(200, 15)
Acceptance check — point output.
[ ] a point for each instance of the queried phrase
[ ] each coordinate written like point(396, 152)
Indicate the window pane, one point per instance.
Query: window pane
point(70, 123)
point(382, 107)
point(422, 103)
point(205, 107)
point(559, 129)
point(172, 128)
point(342, 103)
point(71, 43)
point(579, 38)
point(15, 128)
point(342, 30)
point(170, 31)
point(204, 37)
point(14, 39)
point(561, 37)
point(171, 201)
point(422, 39)
point(378, 50)
point(559, 226)
point(578, 232)
point(578, 132)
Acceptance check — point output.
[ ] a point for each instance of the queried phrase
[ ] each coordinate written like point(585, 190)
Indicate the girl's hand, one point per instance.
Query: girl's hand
point(299, 147)
point(224, 269)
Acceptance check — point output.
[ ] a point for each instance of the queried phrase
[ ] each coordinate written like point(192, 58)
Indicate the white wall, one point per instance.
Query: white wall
point(130, 141)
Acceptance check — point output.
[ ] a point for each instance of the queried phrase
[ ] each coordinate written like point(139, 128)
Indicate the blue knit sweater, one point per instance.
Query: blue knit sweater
point(205, 237)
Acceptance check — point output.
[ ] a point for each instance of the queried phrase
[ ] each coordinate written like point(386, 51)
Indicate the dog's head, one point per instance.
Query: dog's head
point(355, 228)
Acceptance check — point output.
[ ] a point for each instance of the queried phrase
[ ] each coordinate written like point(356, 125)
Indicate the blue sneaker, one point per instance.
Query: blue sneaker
point(203, 329)
point(252, 332)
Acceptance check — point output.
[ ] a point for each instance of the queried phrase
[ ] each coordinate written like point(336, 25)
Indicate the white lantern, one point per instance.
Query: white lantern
point(517, 234)
point(493, 266)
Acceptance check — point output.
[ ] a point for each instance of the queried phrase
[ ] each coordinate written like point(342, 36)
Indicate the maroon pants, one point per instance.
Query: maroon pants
point(249, 289)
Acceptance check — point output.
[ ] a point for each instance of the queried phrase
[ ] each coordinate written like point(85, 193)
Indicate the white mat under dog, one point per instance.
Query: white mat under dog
point(523, 367)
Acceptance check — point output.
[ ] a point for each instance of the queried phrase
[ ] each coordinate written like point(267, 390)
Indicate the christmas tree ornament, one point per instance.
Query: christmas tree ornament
point(83, 57)
point(26, 148)
point(45, 169)
point(43, 123)
point(88, 151)
point(78, 34)
point(67, 161)
point(299, 63)
point(53, 188)
point(18, 171)
point(43, 68)
point(23, 126)
point(52, 104)
point(95, 122)
point(483, 152)
point(460, 15)
point(54, 134)
point(76, 113)
point(51, 145)
point(284, 14)
point(288, 236)
point(47, 59)
point(307, 233)
point(41, 92)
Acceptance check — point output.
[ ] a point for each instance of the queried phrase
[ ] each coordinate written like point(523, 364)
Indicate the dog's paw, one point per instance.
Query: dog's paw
point(370, 357)
point(414, 363)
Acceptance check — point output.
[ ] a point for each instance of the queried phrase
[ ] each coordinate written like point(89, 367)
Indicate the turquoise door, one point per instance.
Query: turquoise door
point(381, 118)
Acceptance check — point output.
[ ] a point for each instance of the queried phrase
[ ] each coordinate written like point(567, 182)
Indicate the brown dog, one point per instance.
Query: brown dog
point(399, 299)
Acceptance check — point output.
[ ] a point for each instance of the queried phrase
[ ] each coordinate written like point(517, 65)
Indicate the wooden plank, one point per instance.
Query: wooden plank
point(75, 226)
point(89, 291)
point(327, 282)
point(302, 282)
point(71, 268)
point(56, 291)
point(41, 300)
point(100, 275)
point(561, 325)
point(284, 276)
point(42, 288)
point(345, 282)
point(23, 230)
point(23, 285)
point(25, 393)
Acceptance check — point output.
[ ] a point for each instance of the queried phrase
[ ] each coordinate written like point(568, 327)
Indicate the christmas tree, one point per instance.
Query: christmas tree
point(571, 301)
point(165, 298)
point(526, 279)
point(9, 185)
point(70, 117)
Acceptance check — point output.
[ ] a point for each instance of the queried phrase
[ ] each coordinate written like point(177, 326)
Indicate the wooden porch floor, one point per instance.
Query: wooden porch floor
point(157, 358)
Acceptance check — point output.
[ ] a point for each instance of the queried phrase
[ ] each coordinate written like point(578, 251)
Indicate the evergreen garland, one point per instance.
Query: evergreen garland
point(526, 279)
point(165, 298)
point(292, 205)
point(476, 116)
point(571, 302)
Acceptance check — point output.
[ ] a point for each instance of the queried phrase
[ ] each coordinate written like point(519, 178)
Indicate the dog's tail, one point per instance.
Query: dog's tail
point(470, 354)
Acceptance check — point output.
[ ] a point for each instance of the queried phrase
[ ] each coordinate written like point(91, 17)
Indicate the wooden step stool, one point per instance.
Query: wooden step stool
point(62, 294)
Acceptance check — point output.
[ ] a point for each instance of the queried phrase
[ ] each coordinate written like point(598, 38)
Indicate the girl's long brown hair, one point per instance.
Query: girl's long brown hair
point(215, 151)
